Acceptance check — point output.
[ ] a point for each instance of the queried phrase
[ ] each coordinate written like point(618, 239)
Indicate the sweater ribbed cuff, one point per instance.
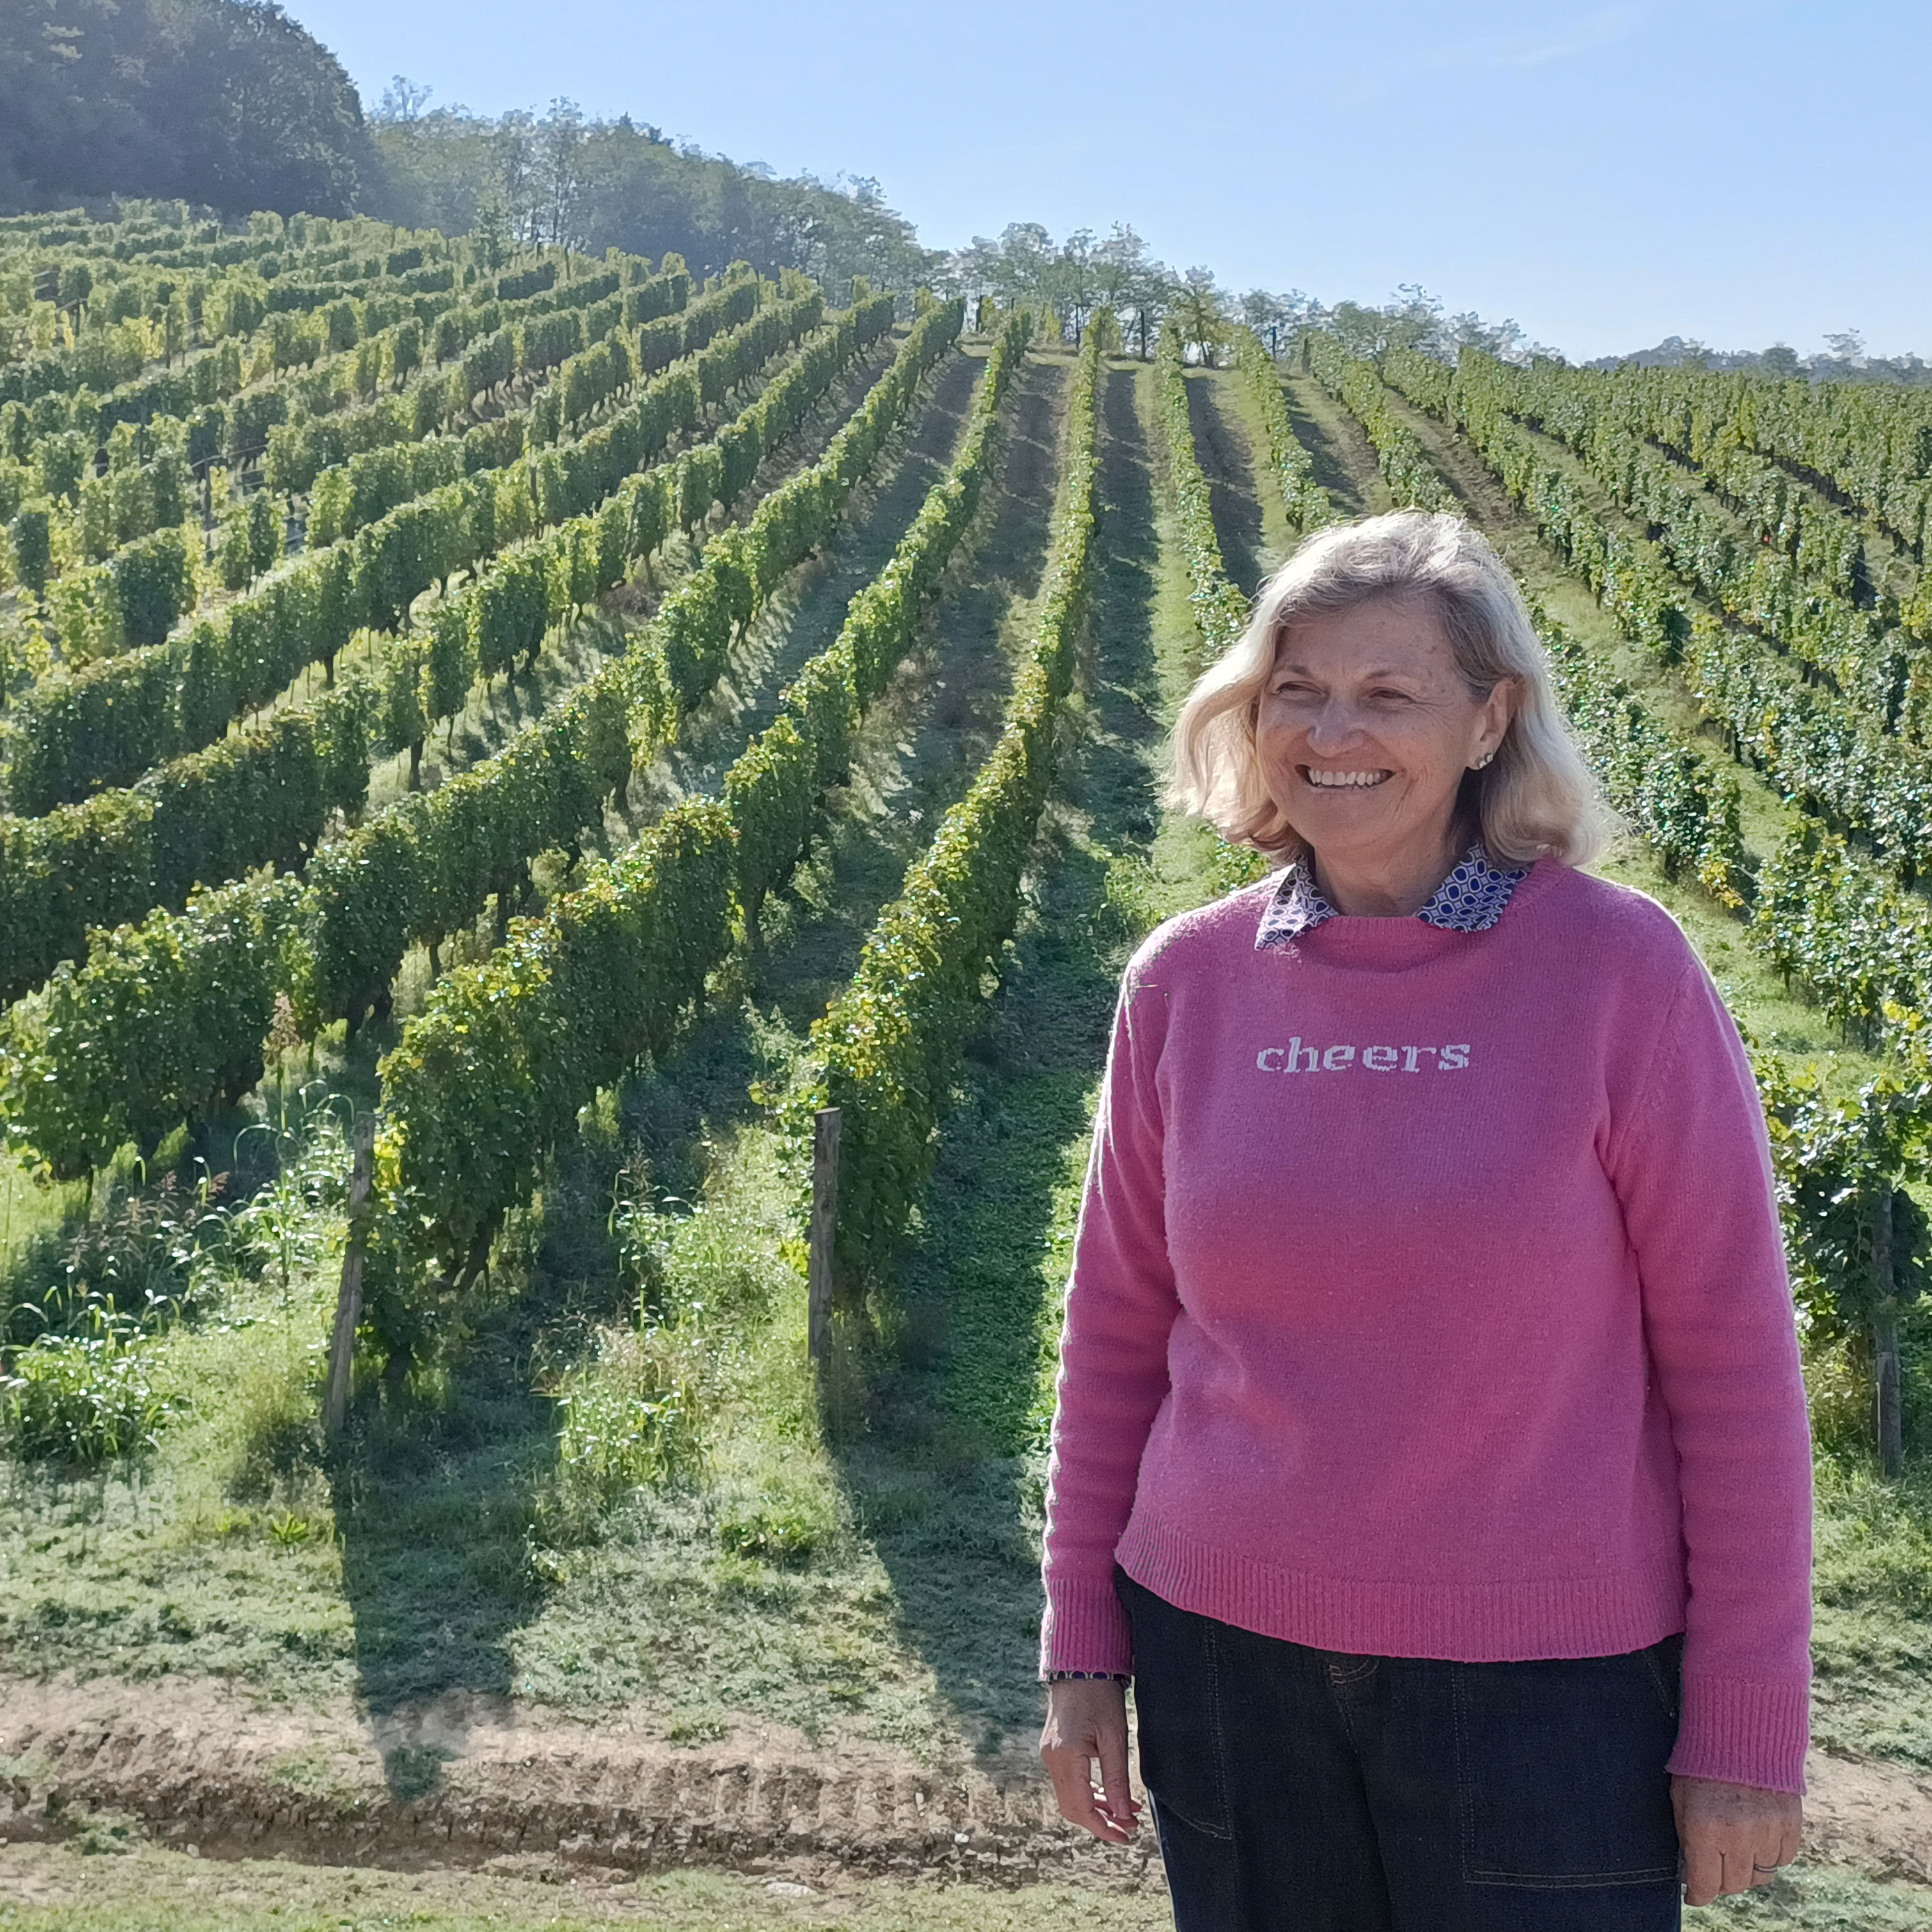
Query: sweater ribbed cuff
point(1085, 1628)
point(1743, 1732)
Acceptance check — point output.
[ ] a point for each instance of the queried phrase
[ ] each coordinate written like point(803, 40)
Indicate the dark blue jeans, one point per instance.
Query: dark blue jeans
point(1301, 1790)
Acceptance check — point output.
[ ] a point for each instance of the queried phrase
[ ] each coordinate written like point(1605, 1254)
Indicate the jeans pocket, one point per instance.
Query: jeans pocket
point(1177, 1704)
point(1666, 1663)
point(1560, 1773)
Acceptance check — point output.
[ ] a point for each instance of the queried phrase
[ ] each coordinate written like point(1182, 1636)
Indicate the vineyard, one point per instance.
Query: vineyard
point(498, 755)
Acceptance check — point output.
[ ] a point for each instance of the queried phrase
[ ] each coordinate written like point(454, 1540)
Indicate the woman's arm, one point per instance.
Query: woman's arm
point(1690, 1160)
point(1120, 1305)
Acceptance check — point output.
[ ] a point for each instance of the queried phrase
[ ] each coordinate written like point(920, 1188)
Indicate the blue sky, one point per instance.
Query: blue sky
point(1741, 171)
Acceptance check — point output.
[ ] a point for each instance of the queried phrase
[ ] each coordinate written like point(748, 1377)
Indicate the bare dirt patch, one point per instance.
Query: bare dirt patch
point(480, 1782)
point(1871, 1815)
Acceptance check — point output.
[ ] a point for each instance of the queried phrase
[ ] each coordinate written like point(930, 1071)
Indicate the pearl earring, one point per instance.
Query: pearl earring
point(1482, 761)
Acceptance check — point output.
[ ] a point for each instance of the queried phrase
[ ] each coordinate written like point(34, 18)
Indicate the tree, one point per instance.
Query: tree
point(404, 100)
point(1077, 276)
point(227, 102)
point(560, 174)
point(596, 185)
point(1274, 318)
point(1199, 314)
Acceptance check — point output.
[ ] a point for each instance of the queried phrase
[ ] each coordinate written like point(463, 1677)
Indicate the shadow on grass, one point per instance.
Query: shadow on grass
point(1332, 467)
point(946, 1481)
point(1226, 460)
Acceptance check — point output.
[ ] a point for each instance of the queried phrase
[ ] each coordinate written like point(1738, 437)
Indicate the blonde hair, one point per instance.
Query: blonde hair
point(1536, 799)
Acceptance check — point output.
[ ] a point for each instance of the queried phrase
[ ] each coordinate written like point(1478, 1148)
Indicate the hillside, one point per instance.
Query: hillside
point(225, 103)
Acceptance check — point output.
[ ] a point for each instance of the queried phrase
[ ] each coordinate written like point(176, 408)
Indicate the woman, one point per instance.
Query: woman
point(1430, 1447)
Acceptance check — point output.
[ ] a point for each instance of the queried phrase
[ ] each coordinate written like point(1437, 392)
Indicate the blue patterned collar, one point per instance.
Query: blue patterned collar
point(1471, 899)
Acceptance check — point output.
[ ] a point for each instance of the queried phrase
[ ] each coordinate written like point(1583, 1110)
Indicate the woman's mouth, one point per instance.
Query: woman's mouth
point(1343, 781)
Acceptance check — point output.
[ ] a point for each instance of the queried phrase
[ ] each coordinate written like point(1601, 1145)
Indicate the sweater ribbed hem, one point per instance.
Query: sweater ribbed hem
point(1744, 1732)
point(1468, 1623)
point(1085, 1628)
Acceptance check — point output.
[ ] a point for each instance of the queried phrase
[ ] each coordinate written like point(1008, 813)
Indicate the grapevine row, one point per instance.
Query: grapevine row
point(1801, 734)
point(123, 717)
point(1404, 465)
point(1798, 595)
point(264, 796)
point(1305, 500)
point(1825, 917)
point(489, 1077)
point(1220, 611)
point(884, 1051)
point(58, 462)
point(110, 721)
point(343, 931)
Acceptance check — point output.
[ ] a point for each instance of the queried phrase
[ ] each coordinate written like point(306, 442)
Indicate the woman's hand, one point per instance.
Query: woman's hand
point(1087, 1721)
point(1733, 1836)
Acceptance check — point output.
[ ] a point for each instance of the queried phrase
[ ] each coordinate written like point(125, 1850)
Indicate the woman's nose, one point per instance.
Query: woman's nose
point(1332, 726)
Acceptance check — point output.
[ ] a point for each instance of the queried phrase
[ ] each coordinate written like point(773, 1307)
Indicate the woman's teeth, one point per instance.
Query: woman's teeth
point(1340, 780)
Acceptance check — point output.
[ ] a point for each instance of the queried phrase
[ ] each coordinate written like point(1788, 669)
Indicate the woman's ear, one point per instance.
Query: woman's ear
point(1498, 708)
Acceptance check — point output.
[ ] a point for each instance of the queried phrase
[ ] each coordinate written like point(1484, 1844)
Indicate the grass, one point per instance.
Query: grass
point(104, 1878)
point(147, 1890)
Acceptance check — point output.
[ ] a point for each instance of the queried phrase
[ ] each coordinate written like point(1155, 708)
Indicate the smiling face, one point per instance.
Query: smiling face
point(1364, 730)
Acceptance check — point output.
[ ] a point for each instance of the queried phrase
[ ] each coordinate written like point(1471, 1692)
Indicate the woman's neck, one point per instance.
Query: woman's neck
point(1397, 887)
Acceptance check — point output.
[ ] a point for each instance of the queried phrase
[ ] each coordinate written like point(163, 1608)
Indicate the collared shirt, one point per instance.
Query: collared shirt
point(1471, 899)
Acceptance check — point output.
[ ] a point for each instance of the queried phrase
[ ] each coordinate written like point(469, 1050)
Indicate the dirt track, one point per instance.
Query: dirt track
point(499, 1789)
point(480, 1783)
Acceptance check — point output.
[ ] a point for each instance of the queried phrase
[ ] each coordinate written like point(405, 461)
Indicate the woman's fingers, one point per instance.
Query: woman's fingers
point(1073, 1786)
point(1119, 1798)
point(1086, 1724)
point(1733, 1836)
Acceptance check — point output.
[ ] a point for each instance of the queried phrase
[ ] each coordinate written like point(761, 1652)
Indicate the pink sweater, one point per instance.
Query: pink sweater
point(1428, 1301)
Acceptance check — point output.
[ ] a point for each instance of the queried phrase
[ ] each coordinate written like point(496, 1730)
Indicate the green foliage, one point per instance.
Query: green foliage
point(1803, 681)
point(266, 794)
point(1306, 502)
point(780, 1522)
point(1823, 915)
point(773, 790)
point(417, 871)
point(1841, 1164)
point(82, 1399)
point(154, 579)
point(633, 1414)
point(1686, 809)
point(494, 1070)
point(1830, 920)
point(164, 1018)
point(31, 533)
point(400, 521)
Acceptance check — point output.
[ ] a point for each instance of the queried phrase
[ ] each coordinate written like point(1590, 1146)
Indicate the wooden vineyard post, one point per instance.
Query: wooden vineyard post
point(824, 1228)
point(349, 1302)
point(1888, 1419)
